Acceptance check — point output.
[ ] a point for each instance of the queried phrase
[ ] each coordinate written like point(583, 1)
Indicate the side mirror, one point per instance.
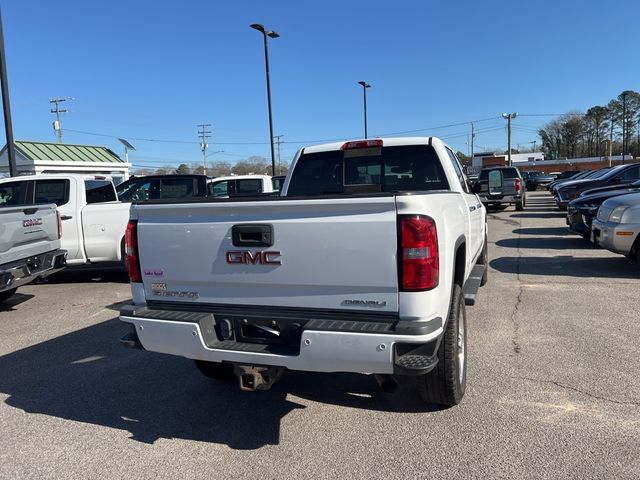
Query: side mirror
point(475, 187)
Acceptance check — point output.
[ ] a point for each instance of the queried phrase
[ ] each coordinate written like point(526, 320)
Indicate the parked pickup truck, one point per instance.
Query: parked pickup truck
point(29, 241)
point(93, 218)
point(363, 264)
point(501, 186)
point(240, 185)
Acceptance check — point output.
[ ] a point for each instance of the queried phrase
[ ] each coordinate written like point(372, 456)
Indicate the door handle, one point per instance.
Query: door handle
point(66, 217)
point(472, 208)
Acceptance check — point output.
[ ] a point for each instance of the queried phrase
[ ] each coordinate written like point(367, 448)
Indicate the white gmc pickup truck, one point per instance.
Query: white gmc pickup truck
point(363, 264)
point(94, 220)
point(29, 242)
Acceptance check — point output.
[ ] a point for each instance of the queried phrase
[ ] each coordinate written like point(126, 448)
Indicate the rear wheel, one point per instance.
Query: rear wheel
point(446, 383)
point(6, 294)
point(215, 370)
point(520, 206)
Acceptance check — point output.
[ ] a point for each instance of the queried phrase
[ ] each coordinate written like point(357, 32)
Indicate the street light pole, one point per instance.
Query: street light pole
point(509, 117)
point(365, 85)
point(265, 34)
point(8, 126)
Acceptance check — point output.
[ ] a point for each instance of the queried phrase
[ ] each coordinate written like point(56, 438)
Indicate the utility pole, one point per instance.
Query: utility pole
point(8, 127)
point(57, 126)
point(473, 136)
point(278, 141)
point(204, 134)
point(509, 117)
point(624, 124)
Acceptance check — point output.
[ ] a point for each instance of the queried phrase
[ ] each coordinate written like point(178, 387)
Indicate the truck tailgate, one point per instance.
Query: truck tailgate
point(327, 253)
point(26, 231)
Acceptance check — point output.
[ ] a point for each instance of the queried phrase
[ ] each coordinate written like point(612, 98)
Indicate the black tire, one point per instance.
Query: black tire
point(484, 260)
point(634, 253)
point(520, 206)
point(446, 383)
point(7, 294)
point(217, 371)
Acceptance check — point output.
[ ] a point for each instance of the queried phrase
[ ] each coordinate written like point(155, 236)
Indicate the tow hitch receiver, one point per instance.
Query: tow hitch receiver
point(257, 378)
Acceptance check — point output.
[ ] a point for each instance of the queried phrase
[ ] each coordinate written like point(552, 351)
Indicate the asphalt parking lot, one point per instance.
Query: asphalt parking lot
point(553, 385)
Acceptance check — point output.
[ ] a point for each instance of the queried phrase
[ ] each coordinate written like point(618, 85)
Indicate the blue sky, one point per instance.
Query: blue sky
point(154, 70)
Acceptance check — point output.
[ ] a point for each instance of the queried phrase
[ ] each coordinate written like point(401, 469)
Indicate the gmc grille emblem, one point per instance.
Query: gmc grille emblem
point(245, 257)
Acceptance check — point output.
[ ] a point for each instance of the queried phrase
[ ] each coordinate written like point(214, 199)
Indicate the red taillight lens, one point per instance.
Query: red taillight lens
point(362, 144)
point(419, 266)
point(131, 250)
point(518, 185)
point(59, 224)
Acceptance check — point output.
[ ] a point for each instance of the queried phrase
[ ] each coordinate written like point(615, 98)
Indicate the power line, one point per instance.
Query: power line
point(325, 140)
point(439, 127)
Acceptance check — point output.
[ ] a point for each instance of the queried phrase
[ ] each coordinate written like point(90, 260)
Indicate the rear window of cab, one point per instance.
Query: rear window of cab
point(383, 169)
point(506, 173)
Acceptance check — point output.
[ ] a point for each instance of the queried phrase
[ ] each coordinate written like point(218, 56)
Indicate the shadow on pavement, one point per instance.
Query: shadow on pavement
point(566, 266)
point(551, 243)
point(87, 376)
point(556, 231)
point(541, 214)
point(15, 300)
point(84, 274)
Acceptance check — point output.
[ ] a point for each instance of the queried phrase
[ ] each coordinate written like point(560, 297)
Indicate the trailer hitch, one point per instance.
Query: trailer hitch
point(257, 378)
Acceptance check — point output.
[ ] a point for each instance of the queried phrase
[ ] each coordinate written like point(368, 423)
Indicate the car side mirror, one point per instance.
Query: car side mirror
point(475, 187)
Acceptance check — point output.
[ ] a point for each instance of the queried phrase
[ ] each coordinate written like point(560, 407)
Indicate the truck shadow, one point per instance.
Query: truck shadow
point(87, 376)
point(567, 266)
point(543, 213)
point(554, 231)
point(551, 243)
point(88, 274)
point(15, 300)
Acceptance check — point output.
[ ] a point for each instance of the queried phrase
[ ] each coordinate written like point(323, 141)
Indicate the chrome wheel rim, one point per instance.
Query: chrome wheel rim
point(461, 349)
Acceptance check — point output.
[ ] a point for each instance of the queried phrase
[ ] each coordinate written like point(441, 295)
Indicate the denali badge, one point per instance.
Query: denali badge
point(160, 290)
point(245, 257)
point(364, 303)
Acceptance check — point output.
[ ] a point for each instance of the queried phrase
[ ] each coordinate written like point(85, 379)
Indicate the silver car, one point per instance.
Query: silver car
point(617, 225)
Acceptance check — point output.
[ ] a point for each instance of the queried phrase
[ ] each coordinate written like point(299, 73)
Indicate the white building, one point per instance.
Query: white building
point(48, 157)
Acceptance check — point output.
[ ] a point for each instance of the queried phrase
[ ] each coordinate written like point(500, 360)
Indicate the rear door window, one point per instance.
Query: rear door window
point(13, 193)
point(219, 189)
point(177, 187)
point(100, 191)
point(386, 169)
point(52, 191)
point(248, 185)
point(458, 169)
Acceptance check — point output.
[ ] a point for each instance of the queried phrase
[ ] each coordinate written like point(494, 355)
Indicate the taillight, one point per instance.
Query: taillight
point(131, 250)
point(418, 262)
point(59, 224)
point(362, 144)
point(518, 185)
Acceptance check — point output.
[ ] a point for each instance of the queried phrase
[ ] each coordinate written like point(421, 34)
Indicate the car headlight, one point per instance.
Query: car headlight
point(616, 214)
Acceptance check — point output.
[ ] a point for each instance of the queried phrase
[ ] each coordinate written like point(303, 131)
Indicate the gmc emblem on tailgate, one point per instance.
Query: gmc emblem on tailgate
point(245, 257)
